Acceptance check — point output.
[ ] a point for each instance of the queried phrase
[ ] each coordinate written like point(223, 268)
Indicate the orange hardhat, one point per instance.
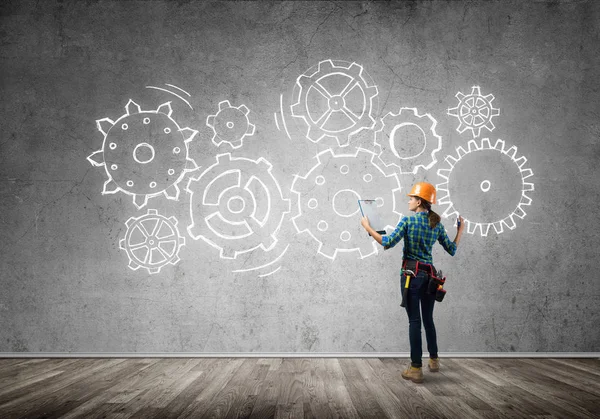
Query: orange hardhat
point(424, 191)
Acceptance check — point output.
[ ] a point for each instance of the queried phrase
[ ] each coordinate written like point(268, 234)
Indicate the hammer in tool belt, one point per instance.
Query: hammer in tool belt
point(408, 274)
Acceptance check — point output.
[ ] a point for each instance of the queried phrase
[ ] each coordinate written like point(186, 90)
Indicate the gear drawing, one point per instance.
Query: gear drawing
point(230, 125)
point(152, 241)
point(334, 101)
point(144, 153)
point(236, 206)
point(489, 180)
point(474, 112)
point(327, 197)
point(408, 155)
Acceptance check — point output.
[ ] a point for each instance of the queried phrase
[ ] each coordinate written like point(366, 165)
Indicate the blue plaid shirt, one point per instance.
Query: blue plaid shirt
point(418, 237)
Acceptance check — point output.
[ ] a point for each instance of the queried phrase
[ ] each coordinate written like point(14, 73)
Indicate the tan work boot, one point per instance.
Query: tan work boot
point(413, 374)
point(434, 364)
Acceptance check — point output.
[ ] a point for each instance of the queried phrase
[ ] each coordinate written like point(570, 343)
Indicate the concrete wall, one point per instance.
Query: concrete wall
point(68, 286)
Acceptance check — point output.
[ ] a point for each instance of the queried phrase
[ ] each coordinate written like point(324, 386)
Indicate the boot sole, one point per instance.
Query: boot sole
point(414, 380)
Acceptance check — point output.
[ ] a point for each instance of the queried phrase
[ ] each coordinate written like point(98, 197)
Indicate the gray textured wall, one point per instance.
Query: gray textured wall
point(65, 282)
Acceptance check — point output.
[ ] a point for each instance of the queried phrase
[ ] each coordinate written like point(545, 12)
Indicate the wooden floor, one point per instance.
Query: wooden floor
point(297, 388)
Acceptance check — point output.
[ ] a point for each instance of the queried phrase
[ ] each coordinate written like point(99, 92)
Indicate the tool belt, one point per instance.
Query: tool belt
point(436, 278)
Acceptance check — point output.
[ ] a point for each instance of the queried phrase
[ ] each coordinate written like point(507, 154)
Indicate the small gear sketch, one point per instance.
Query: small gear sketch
point(144, 153)
point(236, 206)
point(474, 112)
point(335, 100)
point(328, 197)
point(408, 140)
point(230, 125)
point(483, 183)
point(152, 241)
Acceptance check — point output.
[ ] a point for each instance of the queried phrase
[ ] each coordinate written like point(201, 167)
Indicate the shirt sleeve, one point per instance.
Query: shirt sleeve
point(444, 240)
point(389, 241)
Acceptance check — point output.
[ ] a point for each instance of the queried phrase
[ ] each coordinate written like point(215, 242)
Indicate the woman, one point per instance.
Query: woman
point(420, 232)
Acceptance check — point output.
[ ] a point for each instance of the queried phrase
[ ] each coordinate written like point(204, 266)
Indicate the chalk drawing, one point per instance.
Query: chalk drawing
point(144, 153)
point(483, 183)
point(474, 112)
point(152, 241)
point(256, 268)
point(173, 93)
point(327, 207)
point(334, 101)
point(230, 125)
point(408, 140)
point(236, 206)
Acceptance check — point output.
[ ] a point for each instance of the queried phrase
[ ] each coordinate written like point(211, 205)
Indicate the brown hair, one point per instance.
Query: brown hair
point(434, 218)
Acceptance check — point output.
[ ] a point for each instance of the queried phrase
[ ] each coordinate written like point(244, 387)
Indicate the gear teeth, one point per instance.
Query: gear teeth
point(104, 125)
point(165, 108)
point(122, 241)
point(132, 108)
point(525, 173)
point(451, 160)
point(224, 158)
point(110, 187)
point(301, 223)
point(244, 109)
point(355, 69)
point(498, 228)
point(224, 104)
point(140, 201)
point(188, 134)
point(210, 121)
point(153, 270)
point(251, 129)
point(460, 152)
point(173, 220)
point(500, 146)
point(489, 97)
point(326, 65)
point(519, 212)
point(472, 146)
point(97, 158)
point(191, 165)
point(485, 144)
point(172, 192)
point(152, 211)
point(476, 90)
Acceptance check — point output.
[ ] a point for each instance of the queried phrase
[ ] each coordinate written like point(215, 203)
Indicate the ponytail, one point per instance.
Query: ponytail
point(434, 218)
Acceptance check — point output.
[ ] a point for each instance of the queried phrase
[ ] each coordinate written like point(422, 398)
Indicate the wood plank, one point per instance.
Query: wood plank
point(297, 387)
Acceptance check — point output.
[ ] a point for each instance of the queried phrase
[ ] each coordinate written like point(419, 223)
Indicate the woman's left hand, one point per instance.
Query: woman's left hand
point(365, 222)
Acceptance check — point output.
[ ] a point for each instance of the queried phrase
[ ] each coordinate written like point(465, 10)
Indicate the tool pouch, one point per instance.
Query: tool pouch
point(436, 284)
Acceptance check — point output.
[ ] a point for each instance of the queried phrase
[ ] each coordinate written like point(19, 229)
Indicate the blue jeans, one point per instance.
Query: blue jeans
point(417, 295)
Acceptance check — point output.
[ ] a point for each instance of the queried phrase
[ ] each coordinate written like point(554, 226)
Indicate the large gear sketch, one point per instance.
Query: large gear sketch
point(236, 206)
point(327, 207)
point(399, 148)
point(474, 112)
point(152, 241)
point(335, 101)
point(144, 153)
point(482, 182)
point(230, 125)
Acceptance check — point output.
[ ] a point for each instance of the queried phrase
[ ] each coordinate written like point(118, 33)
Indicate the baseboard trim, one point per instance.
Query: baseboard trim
point(293, 355)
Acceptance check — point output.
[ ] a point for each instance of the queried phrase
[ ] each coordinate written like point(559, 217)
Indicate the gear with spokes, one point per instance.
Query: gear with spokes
point(236, 206)
point(407, 140)
point(230, 125)
point(144, 153)
point(334, 101)
point(327, 200)
point(152, 241)
point(474, 112)
point(483, 183)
